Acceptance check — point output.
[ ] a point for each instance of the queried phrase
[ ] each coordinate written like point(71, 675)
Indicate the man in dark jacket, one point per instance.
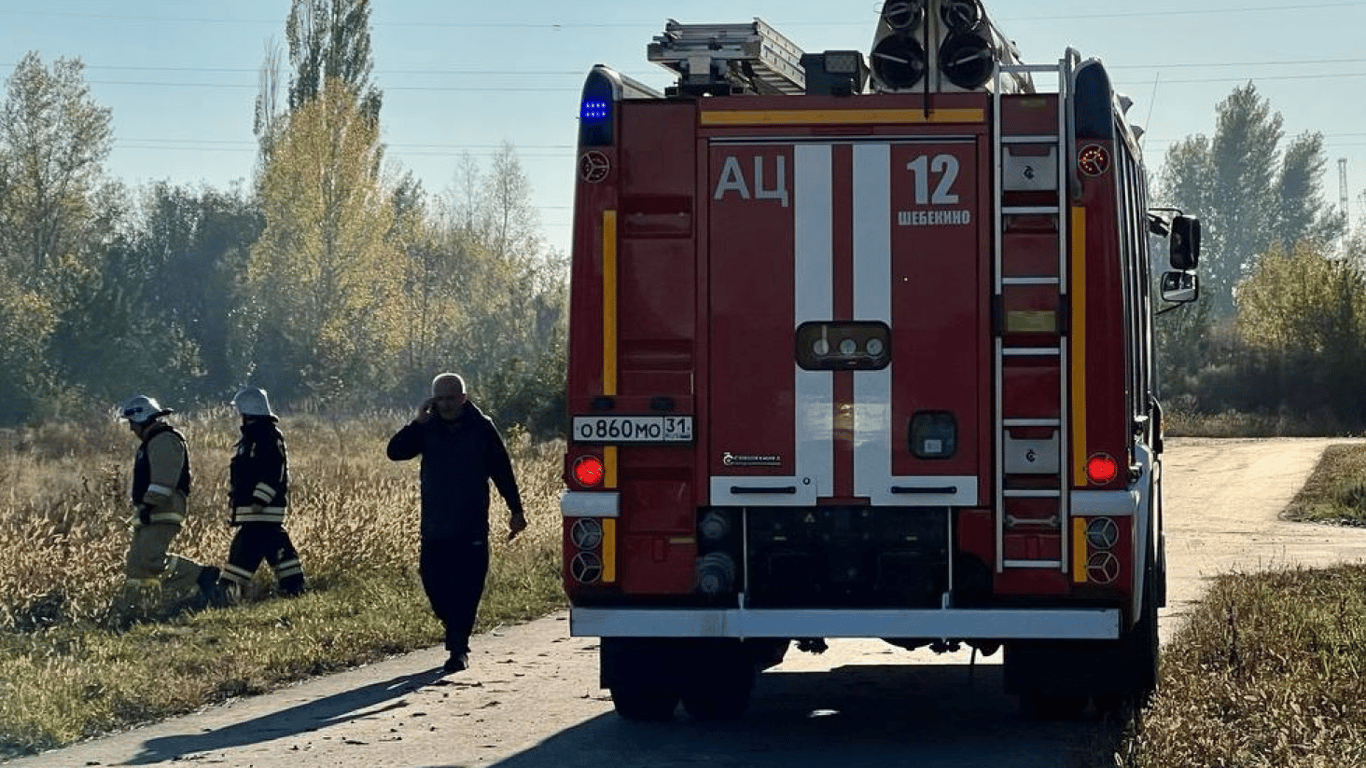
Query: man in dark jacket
point(259, 499)
point(461, 451)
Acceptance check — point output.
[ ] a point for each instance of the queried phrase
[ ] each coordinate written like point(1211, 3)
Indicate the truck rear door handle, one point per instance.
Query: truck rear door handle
point(908, 489)
point(764, 489)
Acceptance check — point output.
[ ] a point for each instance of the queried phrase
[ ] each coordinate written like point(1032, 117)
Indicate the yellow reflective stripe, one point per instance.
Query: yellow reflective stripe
point(1078, 290)
point(841, 116)
point(609, 549)
point(1078, 550)
point(609, 466)
point(609, 303)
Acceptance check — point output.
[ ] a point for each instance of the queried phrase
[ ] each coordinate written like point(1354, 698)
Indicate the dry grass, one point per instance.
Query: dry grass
point(1270, 669)
point(1183, 423)
point(65, 676)
point(1336, 491)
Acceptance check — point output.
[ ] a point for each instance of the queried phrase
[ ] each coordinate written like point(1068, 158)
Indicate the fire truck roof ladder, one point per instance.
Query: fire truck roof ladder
point(1041, 165)
point(722, 58)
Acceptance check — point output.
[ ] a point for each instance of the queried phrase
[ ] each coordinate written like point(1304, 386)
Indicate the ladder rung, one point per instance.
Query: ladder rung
point(1031, 351)
point(1041, 138)
point(1030, 68)
point(1029, 281)
point(1044, 493)
point(1050, 522)
point(1031, 422)
point(1031, 210)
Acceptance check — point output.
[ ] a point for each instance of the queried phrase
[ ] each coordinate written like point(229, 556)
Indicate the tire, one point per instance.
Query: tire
point(719, 699)
point(644, 704)
point(1045, 706)
point(1143, 643)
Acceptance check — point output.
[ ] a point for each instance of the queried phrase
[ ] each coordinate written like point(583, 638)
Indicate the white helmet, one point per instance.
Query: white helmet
point(252, 401)
point(141, 409)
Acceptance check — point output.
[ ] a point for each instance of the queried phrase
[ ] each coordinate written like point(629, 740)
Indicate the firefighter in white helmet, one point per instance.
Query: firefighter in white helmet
point(259, 498)
point(159, 583)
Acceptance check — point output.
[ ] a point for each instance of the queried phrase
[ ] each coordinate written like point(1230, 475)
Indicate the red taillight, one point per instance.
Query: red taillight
point(588, 471)
point(1093, 160)
point(1101, 468)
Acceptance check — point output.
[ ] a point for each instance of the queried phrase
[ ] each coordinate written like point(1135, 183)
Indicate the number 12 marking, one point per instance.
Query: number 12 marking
point(947, 168)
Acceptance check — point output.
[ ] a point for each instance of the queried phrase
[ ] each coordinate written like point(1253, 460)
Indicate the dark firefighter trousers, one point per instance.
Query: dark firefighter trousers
point(255, 542)
point(453, 573)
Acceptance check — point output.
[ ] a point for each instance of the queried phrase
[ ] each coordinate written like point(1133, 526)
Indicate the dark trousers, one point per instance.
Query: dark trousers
point(255, 542)
point(453, 573)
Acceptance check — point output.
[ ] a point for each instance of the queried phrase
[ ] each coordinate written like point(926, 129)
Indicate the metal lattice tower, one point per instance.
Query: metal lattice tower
point(1343, 199)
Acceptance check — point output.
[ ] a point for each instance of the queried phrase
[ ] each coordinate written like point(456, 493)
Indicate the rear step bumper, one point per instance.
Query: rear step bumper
point(948, 624)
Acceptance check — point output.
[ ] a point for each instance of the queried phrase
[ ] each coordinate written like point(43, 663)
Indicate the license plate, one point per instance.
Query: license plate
point(633, 429)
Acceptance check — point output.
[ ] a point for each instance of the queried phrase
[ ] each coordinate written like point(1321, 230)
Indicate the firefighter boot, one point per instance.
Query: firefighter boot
point(137, 601)
point(211, 591)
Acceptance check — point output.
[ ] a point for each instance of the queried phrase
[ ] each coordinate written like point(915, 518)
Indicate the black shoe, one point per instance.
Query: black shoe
point(458, 662)
point(208, 577)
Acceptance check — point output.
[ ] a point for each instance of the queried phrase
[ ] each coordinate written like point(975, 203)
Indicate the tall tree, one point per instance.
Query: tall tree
point(54, 140)
point(1230, 182)
point(267, 101)
point(123, 334)
point(330, 39)
point(1302, 213)
point(506, 296)
point(324, 279)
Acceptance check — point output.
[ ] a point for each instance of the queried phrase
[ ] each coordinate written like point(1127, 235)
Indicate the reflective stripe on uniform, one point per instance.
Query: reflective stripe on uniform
point(239, 576)
point(267, 515)
point(286, 568)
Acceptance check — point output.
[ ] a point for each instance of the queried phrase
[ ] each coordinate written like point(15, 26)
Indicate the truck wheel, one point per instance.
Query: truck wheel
point(720, 698)
point(634, 703)
point(1140, 650)
point(1048, 706)
point(1143, 642)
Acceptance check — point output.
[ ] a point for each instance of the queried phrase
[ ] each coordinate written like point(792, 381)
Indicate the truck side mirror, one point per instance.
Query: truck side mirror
point(1180, 287)
point(1185, 243)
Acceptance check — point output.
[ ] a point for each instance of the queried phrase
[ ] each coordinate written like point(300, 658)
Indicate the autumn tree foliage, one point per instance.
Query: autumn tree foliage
point(325, 278)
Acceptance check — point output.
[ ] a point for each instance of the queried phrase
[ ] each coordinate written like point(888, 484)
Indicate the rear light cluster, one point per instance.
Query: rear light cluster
point(1101, 468)
point(1102, 567)
point(716, 566)
point(588, 471)
point(589, 540)
point(586, 535)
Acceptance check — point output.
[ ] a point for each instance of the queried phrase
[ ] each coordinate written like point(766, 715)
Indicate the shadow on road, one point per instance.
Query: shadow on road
point(311, 716)
point(929, 716)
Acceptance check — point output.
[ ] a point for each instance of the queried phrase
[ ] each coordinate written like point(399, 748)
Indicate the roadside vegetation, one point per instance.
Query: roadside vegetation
point(66, 675)
point(1268, 669)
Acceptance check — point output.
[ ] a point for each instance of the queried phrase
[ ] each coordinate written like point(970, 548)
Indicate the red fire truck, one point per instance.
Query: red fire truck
point(862, 347)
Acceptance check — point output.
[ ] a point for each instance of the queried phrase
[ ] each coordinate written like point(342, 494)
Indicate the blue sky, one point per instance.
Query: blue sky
point(464, 76)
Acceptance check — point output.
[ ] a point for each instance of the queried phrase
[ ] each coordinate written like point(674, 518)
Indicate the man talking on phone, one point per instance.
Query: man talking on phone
point(461, 452)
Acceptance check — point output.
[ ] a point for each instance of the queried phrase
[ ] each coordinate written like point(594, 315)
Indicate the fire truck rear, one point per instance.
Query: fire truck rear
point(862, 347)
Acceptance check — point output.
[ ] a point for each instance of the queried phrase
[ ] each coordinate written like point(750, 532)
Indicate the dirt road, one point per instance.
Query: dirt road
point(531, 697)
